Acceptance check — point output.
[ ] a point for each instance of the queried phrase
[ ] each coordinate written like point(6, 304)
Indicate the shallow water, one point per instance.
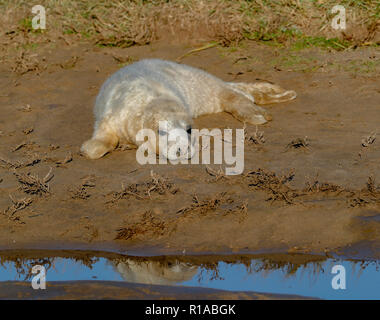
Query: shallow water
point(264, 274)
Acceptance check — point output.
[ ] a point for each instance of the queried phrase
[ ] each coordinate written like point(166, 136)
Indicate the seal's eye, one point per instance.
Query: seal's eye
point(188, 130)
point(162, 133)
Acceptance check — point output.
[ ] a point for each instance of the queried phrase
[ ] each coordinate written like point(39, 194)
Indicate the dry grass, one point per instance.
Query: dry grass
point(80, 192)
point(60, 162)
point(298, 143)
point(370, 194)
point(32, 184)
point(149, 224)
point(143, 191)
point(202, 206)
point(240, 211)
point(216, 174)
point(8, 164)
point(22, 145)
point(124, 23)
point(17, 205)
point(24, 63)
point(277, 187)
point(160, 185)
point(279, 190)
point(257, 138)
point(315, 185)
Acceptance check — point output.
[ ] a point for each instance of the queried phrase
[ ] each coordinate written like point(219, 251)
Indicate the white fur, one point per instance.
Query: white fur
point(143, 93)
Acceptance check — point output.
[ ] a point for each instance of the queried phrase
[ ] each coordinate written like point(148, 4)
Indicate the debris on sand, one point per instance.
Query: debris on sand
point(126, 191)
point(371, 187)
point(241, 211)
point(277, 187)
point(17, 205)
point(204, 206)
point(142, 191)
point(80, 192)
point(69, 64)
point(123, 59)
point(59, 162)
point(370, 139)
point(366, 143)
point(19, 146)
point(205, 47)
point(25, 63)
point(149, 224)
point(217, 175)
point(27, 131)
point(257, 138)
point(26, 108)
point(8, 164)
point(160, 185)
point(53, 147)
point(316, 186)
point(32, 184)
point(25, 144)
point(370, 194)
point(298, 143)
point(68, 158)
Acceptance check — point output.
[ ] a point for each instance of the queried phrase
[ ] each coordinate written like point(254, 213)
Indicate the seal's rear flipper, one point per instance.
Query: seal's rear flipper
point(243, 108)
point(265, 92)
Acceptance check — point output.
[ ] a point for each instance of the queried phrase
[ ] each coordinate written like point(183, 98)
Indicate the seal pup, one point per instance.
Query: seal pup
point(146, 92)
point(155, 272)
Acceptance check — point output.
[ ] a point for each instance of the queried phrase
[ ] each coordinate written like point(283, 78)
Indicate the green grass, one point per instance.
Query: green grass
point(362, 67)
point(25, 25)
point(297, 40)
point(320, 42)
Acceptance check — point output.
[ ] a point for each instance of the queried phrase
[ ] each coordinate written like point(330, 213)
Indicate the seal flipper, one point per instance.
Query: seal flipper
point(243, 108)
point(265, 92)
point(102, 142)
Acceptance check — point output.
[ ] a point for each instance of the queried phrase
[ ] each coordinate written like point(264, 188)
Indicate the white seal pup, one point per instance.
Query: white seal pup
point(144, 93)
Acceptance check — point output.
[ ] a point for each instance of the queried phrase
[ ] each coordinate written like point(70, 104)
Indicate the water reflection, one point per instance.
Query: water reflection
point(155, 272)
point(306, 275)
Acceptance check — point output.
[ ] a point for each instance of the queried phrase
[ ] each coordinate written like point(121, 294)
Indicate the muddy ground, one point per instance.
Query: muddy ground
point(104, 290)
point(310, 178)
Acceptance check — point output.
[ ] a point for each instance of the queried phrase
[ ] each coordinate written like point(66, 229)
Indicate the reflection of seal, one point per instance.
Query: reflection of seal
point(154, 272)
point(142, 94)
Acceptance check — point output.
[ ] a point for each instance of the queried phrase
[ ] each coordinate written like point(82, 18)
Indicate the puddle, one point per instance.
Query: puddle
point(304, 275)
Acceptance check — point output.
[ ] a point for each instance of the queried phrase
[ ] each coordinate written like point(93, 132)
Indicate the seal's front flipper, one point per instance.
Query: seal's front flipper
point(95, 149)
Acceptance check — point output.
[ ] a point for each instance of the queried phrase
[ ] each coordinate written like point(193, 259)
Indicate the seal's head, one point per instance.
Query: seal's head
point(172, 125)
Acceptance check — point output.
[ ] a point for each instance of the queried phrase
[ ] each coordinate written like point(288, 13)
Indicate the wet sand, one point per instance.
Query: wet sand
point(103, 290)
point(320, 198)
